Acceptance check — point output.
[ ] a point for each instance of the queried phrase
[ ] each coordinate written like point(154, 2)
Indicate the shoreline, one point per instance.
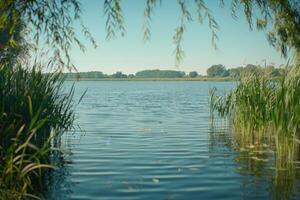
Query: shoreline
point(155, 79)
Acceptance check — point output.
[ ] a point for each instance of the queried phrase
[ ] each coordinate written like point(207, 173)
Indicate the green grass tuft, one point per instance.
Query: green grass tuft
point(34, 112)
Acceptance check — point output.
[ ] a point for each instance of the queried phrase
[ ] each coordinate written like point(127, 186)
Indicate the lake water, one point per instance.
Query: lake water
point(153, 140)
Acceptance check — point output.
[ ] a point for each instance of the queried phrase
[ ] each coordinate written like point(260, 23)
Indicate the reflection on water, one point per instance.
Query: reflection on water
point(58, 184)
point(153, 140)
point(279, 170)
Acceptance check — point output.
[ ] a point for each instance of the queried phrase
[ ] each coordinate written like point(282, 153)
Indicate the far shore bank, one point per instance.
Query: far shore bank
point(155, 79)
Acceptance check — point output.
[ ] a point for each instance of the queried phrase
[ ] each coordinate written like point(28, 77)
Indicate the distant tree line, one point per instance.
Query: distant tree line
point(221, 71)
point(141, 74)
point(213, 71)
point(159, 74)
point(95, 75)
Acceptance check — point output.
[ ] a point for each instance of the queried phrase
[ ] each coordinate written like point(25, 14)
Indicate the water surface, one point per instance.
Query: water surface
point(152, 140)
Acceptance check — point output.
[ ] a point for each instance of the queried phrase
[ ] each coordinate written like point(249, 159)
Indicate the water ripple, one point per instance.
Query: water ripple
point(151, 140)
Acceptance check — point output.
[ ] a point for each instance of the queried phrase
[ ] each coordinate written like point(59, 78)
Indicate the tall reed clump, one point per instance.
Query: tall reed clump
point(34, 112)
point(264, 111)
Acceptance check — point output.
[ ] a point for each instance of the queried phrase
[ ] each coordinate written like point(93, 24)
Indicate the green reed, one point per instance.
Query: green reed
point(34, 112)
point(261, 105)
point(264, 115)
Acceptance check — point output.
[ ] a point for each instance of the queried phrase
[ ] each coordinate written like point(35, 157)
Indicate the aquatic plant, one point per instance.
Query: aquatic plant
point(263, 111)
point(261, 104)
point(262, 153)
point(34, 112)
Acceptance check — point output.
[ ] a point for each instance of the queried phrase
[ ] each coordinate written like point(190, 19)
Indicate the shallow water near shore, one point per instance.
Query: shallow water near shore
point(153, 140)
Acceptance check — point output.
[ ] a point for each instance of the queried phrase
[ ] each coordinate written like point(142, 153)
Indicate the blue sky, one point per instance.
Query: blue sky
point(237, 45)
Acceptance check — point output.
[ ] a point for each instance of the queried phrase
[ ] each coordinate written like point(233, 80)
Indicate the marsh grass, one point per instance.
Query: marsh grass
point(34, 112)
point(263, 111)
point(265, 116)
point(261, 106)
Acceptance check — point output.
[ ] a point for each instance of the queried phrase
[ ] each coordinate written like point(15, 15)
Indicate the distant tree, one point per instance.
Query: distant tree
point(217, 71)
point(181, 74)
point(273, 71)
point(92, 75)
point(235, 72)
point(119, 75)
point(131, 76)
point(88, 75)
point(160, 74)
point(276, 72)
point(250, 68)
point(193, 74)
